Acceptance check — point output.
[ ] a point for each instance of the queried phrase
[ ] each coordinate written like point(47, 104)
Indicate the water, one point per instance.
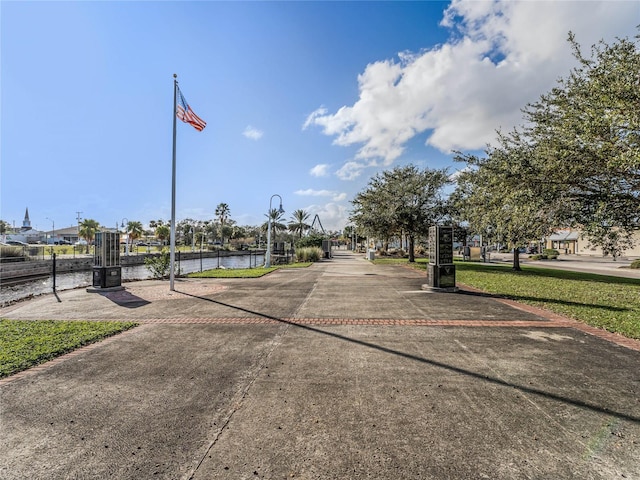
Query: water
point(67, 281)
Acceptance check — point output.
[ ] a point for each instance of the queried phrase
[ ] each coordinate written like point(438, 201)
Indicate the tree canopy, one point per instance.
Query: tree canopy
point(574, 163)
point(405, 200)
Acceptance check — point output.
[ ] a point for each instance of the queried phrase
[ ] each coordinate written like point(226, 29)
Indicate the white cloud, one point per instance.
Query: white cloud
point(352, 170)
point(339, 197)
point(252, 133)
point(501, 56)
point(313, 115)
point(335, 196)
point(320, 170)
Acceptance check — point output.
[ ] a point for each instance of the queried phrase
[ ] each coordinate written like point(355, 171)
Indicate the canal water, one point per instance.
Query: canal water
point(66, 281)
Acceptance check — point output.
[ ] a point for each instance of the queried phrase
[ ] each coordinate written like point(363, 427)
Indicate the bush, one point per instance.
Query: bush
point(313, 240)
point(551, 253)
point(14, 252)
point(309, 254)
point(635, 263)
point(159, 265)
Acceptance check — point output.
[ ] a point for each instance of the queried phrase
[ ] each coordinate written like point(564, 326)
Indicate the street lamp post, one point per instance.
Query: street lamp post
point(193, 238)
point(267, 262)
point(53, 229)
point(123, 225)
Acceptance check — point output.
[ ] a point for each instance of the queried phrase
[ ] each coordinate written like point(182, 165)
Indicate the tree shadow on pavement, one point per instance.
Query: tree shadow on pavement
point(479, 376)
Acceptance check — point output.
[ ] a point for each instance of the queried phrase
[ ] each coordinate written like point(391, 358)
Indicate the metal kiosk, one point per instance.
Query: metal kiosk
point(441, 272)
point(107, 272)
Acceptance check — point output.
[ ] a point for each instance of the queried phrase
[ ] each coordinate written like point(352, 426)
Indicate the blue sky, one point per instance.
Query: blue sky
point(307, 100)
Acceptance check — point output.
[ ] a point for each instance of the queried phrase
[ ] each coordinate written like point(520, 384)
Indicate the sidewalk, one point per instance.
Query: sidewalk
point(341, 370)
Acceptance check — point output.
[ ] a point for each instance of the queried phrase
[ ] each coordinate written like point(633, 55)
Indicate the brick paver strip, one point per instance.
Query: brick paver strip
point(553, 320)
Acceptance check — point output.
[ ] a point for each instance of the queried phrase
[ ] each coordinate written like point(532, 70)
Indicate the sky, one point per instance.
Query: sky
point(305, 100)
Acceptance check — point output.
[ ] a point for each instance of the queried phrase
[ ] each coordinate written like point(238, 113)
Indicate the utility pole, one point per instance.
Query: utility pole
point(78, 218)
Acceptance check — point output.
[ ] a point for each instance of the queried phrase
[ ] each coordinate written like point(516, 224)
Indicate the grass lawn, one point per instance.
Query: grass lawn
point(604, 301)
point(243, 272)
point(24, 344)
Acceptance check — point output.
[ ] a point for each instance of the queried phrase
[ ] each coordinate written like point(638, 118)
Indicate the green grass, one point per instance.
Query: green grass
point(24, 344)
point(604, 301)
point(243, 272)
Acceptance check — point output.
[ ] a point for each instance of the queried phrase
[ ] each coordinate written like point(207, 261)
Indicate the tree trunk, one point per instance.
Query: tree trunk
point(412, 257)
point(516, 260)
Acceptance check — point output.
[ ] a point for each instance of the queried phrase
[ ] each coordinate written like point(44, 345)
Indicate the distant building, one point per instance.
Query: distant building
point(575, 242)
point(26, 223)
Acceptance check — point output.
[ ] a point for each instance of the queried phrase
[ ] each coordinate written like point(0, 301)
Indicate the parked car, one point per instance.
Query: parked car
point(17, 243)
point(58, 242)
point(81, 242)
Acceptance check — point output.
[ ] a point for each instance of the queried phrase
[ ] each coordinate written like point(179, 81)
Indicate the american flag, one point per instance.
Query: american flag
point(184, 113)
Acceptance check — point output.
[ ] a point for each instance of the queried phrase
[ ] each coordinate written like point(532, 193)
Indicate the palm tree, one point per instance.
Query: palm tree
point(222, 212)
point(153, 224)
point(134, 231)
point(298, 222)
point(276, 221)
point(88, 229)
point(163, 232)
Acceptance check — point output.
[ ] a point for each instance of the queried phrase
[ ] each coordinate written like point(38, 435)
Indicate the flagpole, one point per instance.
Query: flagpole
point(172, 242)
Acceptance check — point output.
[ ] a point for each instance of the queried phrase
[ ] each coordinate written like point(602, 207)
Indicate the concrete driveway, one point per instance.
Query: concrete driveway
point(341, 370)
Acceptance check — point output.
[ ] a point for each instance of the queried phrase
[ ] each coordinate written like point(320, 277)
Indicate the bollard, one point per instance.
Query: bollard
point(54, 272)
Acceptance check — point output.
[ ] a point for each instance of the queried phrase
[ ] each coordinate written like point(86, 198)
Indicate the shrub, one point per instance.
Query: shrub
point(159, 265)
point(313, 240)
point(635, 263)
point(7, 252)
point(309, 254)
point(551, 253)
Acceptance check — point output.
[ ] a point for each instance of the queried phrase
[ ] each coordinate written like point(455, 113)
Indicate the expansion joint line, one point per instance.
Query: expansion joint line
point(239, 397)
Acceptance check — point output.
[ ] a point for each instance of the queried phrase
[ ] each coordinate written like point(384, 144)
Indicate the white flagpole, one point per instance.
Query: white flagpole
point(172, 241)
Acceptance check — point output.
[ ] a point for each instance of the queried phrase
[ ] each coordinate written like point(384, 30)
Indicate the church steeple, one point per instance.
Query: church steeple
point(26, 223)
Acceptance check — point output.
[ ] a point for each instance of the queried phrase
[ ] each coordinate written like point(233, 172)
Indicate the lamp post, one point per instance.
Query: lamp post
point(267, 261)
point(53, 228)
point(123, 225)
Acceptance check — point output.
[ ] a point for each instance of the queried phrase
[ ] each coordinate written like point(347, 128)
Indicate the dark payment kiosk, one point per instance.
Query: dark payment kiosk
point(107, 272)
point(441, 270)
